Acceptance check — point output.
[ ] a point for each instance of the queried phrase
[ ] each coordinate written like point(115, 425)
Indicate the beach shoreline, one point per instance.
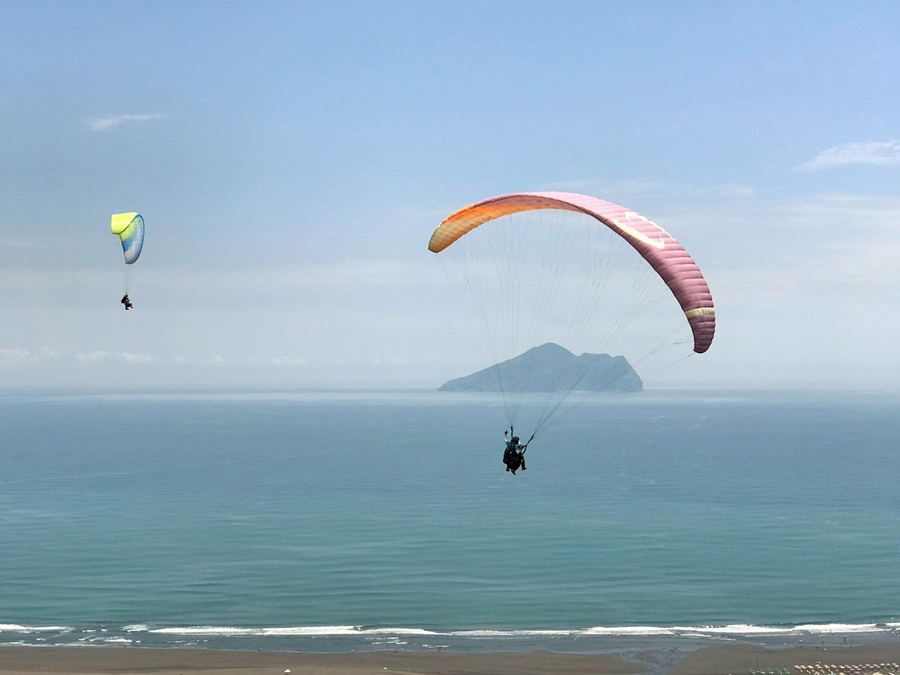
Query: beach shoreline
point(719, 660)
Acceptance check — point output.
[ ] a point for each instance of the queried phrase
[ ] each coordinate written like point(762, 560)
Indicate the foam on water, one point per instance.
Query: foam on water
point(296, 631)
point(362, 631)
point(343, 637)
point(630, 630)
point(842, 628)
point(737, 629)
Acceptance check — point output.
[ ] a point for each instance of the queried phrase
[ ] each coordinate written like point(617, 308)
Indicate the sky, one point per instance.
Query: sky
point(291, 160)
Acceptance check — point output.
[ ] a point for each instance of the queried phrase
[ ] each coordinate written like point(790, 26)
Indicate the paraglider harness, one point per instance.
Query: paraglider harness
point(514, 453)
point(125, 301)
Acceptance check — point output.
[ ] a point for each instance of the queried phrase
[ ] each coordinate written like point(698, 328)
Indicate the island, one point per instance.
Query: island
point(551, 368)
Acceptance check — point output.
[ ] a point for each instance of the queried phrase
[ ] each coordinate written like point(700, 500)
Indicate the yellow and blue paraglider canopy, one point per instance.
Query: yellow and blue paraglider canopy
point(130, 228)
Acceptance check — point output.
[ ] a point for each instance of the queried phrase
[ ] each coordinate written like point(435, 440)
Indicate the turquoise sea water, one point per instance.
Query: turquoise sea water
point(329, 521)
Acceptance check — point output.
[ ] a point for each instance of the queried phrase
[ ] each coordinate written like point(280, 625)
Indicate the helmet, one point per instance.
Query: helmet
point(515, 439)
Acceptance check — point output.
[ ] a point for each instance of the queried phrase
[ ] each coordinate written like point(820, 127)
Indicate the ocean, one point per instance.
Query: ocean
point(336, 521)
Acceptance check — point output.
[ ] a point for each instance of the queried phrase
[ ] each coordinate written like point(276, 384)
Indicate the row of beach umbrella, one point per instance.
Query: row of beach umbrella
point(863, 669)
point(836, 669)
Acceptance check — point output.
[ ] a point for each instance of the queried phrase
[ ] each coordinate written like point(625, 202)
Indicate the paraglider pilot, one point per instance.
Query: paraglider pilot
point(125, 301)
point(514, 453)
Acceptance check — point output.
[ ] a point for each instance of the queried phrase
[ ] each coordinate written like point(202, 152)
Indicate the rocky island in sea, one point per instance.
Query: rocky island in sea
point(550, 368)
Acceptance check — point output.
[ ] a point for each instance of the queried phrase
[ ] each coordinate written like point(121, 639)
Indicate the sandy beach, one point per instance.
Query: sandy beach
point(84, 660)
point(713, 661)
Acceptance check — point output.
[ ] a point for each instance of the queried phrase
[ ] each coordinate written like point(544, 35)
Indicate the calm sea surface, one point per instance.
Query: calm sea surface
point(331, 521)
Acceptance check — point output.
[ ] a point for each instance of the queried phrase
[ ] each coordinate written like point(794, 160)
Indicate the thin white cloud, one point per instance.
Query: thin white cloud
point(92, 357)
point(286, 361)
point(18, 355)
point(112, 122)
point(129, 357)
point(101, 356)
point(883, 153)
point(14, 356)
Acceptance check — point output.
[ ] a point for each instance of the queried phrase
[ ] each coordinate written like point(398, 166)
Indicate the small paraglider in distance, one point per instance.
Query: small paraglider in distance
point(129, 227)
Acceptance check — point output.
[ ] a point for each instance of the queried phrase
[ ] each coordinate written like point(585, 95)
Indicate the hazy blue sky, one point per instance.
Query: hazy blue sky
point(292, 159)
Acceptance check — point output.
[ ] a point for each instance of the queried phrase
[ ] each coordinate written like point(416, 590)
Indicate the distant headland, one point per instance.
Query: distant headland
point(551, 368)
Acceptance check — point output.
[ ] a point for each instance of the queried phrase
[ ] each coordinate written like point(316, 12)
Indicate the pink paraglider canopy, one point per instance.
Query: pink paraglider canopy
point(659, 248)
